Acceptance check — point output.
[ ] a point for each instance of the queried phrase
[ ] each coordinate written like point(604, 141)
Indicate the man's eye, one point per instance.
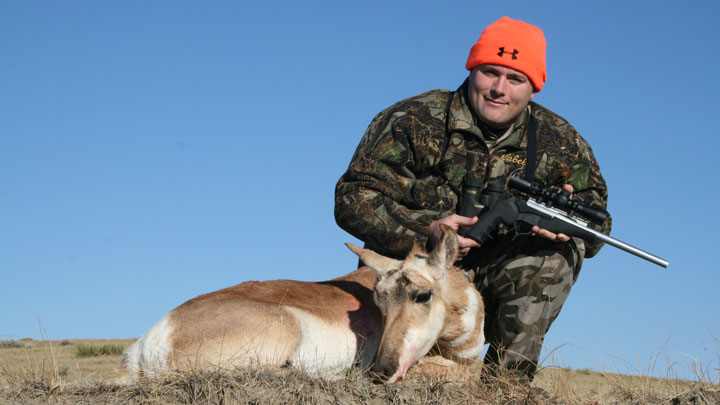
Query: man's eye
point(489, 72)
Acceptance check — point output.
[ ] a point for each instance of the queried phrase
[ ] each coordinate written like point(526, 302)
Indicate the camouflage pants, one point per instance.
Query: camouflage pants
point(524, 283)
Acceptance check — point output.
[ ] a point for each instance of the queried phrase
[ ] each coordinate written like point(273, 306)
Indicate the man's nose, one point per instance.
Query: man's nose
point(499, 85)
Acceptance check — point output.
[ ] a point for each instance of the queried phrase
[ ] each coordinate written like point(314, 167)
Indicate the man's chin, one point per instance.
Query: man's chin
point(496, 122)
point(494, 115)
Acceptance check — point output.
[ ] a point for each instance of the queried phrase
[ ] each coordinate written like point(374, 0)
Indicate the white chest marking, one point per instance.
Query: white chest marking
point(468, 318)
point(476, 349)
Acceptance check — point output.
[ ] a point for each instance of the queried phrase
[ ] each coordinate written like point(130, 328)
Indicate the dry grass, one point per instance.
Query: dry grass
point(51, 372)
point(85, 350)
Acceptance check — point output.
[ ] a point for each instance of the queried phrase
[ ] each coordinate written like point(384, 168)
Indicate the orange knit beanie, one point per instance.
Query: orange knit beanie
point(514, 44)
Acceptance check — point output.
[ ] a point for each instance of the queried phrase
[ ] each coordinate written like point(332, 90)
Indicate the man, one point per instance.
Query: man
point(407, 175)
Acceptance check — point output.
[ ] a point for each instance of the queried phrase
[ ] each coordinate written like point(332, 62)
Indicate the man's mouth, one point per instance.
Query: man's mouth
point(494, 101)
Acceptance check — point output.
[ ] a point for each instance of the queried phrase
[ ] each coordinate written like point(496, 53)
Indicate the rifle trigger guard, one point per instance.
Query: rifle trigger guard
point(516, 231)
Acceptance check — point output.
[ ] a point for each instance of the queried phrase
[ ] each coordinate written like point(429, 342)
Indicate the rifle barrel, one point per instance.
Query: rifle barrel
point(631, 249)
point(558, 214)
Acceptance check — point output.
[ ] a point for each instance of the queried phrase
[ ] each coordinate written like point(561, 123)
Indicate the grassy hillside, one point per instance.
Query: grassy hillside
point(72, 371)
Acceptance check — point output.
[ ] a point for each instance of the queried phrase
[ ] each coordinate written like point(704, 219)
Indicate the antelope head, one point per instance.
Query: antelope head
point(413, 296)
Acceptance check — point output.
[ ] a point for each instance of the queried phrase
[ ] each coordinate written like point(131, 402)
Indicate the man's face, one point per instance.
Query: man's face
point(499, 94)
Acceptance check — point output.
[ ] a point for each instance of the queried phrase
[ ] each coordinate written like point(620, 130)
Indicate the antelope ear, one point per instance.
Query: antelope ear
point(446, 250)
point(375, 261)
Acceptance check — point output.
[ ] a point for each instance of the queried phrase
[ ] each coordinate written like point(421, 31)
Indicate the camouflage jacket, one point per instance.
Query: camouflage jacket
point(393, 187)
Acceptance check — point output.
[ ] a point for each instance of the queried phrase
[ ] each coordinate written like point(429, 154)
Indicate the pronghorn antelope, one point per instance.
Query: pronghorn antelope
point(386, 315)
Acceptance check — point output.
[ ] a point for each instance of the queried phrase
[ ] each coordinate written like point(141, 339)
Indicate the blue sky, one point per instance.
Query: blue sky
point(154, 151)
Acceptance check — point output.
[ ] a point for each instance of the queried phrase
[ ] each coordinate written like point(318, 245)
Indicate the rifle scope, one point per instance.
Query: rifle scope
point(558, 199)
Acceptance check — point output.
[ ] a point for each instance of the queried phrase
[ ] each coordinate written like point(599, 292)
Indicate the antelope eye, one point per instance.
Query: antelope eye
point(423, 297)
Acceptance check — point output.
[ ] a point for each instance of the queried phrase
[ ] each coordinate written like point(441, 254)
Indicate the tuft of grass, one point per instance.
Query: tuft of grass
point(85, 350)
point(14, 344)
point(10, 344)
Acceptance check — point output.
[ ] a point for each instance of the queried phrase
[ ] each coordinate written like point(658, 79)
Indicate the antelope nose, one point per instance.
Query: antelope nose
point(388, 374)
point(383, 372)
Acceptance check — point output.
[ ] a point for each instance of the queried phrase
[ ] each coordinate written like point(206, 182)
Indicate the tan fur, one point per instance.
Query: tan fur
point(246, 331)
point(393, 312)
point(438, 367)
point(246, 323)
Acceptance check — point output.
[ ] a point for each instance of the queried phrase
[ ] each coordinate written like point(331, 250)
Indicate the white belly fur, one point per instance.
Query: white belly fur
point(325, 348)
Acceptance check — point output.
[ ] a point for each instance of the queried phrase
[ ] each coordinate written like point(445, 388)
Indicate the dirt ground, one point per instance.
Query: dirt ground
point(36, 371)
point(41, 359)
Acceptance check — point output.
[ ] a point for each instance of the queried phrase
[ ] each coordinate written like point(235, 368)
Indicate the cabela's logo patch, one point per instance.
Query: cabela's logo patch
point(514, 158)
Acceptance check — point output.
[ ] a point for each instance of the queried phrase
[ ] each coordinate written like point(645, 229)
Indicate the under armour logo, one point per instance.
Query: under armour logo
point(513, 53)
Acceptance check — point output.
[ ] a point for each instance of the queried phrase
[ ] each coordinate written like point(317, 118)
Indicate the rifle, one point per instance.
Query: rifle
point(546, 208)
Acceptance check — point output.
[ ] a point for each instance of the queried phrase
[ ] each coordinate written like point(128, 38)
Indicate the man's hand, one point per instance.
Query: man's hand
point(455, 221)
point(557, 237)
